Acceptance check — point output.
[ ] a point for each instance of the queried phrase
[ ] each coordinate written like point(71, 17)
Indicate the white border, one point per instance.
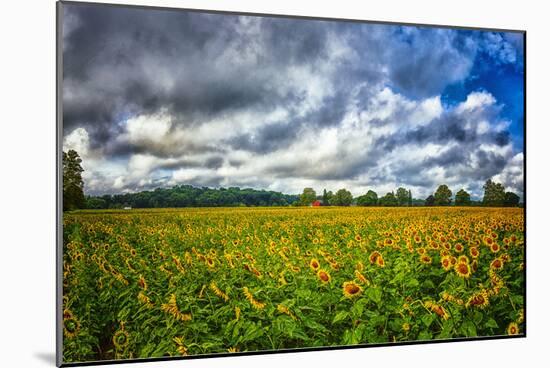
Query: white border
point(27, 149)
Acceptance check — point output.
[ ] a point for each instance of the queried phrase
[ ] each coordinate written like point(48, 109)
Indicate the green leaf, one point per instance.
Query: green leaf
point(491, 323)
point(374, 294)
point(358, 307)
point(340, 316)
point(252, 332)
point(428, 319)
point(469, 329)
point(428, 284)
point(478, 317)
point(314, 325)
point(424, 335)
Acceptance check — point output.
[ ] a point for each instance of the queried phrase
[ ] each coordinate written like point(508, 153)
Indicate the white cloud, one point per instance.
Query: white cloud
point(77, 140)
point(148, 128)
point(476, 100)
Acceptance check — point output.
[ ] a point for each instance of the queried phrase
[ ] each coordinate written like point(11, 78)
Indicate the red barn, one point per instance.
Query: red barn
point(316, 204)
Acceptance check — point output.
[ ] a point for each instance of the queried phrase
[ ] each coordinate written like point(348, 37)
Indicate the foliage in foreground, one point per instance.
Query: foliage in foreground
point(150, 283)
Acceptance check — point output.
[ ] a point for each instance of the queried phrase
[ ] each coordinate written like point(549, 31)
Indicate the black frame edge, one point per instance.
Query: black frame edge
point(59, 184)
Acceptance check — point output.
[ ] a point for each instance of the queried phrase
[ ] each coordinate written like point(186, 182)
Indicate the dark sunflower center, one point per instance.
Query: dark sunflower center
point(352, 289)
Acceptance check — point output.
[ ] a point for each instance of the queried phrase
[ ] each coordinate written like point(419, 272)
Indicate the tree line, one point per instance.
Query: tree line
point(190, 196)
point(494, 196)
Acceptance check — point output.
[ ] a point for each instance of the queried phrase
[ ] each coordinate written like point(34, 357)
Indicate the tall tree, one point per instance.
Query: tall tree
point(325, 198)
point(73, 185)
point(443, 195)
point(368, 199)
point(430, 200)
point(342, 197)
point(511, 199)
point(462, 198)
point(410, 199)
point(308, 197)
point(494, 194)
point(388, 200)
point(402, 195)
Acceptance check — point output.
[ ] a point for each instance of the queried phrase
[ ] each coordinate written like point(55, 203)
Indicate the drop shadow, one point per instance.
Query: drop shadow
point(48, 358)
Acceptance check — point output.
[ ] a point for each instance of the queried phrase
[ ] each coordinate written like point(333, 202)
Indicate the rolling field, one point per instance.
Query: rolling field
point(151, 283)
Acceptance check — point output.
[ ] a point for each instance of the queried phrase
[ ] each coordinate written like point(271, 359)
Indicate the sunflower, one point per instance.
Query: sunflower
point(463, 270)
point(358, 237)
point(380, 261)
point(256, 304)
point(474, 252)
point(361, 277)
point(284, 310)
point(495, 248)
point(440, 311)
point(426, 259)
point(450, 298)
point(521, 315)
point(474, 265)
point(446, 263)
point(497, 264)
point(71, 326)
point(218, 292)
point(463, 259)
point(324, 276)
point(417, 239)
point(233, 350)
point(172, 308)
point(120, 338)
point(188, 258)
point(512, 329)
point(374, 256)
point(142, 283)
point(144, 299)
point(314, 264)
point(479, 299)
point(180, 347)
point(459, 247)
point(351, 289)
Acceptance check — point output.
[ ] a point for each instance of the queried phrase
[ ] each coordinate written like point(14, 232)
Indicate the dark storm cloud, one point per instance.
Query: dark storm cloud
point(449, 158)
point(421, 69)
point(267, 139)
point(117, 59)
point(216, 93)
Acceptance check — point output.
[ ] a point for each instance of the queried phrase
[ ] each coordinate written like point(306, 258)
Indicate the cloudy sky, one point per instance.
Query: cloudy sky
point(155, 98)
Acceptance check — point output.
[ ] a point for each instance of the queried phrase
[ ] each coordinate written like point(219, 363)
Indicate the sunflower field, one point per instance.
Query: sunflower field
point(172, 282)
